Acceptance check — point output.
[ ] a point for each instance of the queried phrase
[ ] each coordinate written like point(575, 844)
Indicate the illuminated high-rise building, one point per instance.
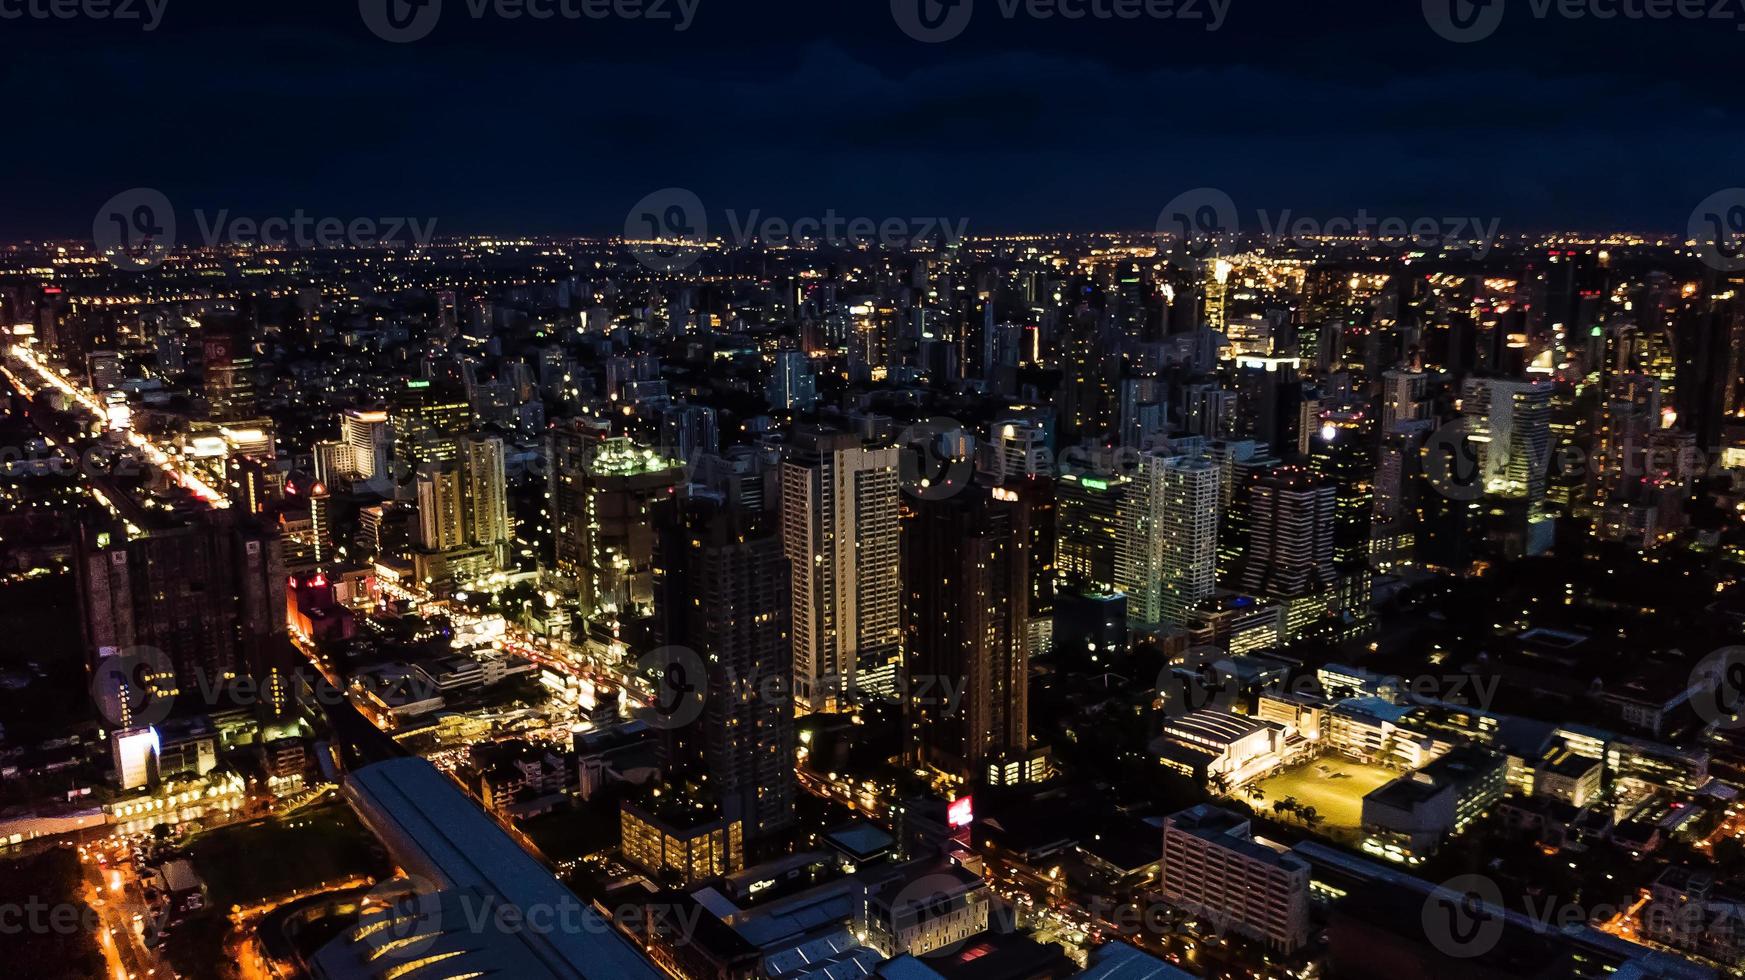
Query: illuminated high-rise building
point(1404, 399)
point(965, 649)
point(1218, 273)
point(229, 360)
point(621, 483)
point(487, 496)
point(427, 421)
point(1289, 543)
point(721, 590)
point(793, 386)
point(1511, 424)
point(1187, 512)
point(839, 527)
point(1090, 530)
point(1342, 448)
point(207, 591)
point(442, 507)
point(370, 440)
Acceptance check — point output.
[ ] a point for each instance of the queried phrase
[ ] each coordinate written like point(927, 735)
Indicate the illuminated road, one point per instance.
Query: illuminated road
point(34, 367)
point(117, 902)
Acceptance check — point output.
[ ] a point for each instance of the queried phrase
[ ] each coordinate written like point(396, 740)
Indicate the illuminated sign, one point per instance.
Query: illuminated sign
point(961, 813)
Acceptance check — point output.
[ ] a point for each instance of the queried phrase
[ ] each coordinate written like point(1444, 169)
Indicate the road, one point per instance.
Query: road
point(113, 891)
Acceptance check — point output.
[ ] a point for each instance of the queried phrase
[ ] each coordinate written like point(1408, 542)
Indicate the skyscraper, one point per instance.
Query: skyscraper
point(229, 360)
point(427, 421)
point(441, 497)
point(1187, 528)
point(793, 387)
point(840, 534)
point(370, 440)
point(721, 590)
point(1289, 547)
point(1091, 530)
point(487, 498)
point(207, 591)
point(1511, 423)
point(621, 482)
point(965, 653)
point(1343, 449)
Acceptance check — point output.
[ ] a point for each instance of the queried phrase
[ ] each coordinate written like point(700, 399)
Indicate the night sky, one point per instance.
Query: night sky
point(796, 107)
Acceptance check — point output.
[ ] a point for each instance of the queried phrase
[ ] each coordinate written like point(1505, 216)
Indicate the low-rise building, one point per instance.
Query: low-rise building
point(1566, 776)
point(687, 839)
point(1408, 818)
point(919, 907)
point(1214, 867)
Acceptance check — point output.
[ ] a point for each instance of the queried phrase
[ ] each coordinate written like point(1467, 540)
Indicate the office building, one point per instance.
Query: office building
point(841, 538)
point(427, 421)
point(1090, 528)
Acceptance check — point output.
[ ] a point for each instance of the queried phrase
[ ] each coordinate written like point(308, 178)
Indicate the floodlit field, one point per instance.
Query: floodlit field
point(1333, 785)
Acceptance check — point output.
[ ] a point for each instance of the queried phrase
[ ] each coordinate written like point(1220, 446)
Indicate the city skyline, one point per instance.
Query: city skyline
point(899, 490)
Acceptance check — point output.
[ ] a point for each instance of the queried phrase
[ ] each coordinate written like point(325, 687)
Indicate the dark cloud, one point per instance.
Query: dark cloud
point(795, 108)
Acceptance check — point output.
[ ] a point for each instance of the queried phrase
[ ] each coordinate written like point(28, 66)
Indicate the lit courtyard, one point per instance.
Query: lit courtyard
point(1333, 785)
